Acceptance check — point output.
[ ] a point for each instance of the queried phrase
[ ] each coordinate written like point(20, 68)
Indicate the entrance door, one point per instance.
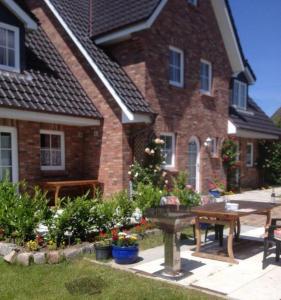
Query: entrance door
point(193, 167)
point(8, 154)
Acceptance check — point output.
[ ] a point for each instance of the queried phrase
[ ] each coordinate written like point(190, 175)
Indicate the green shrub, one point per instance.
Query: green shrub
point(147, 196)
point(114, 211)
point(269, 161)
point(185, 193)
point(150, 169)
point(77, 216)
point(21, 212)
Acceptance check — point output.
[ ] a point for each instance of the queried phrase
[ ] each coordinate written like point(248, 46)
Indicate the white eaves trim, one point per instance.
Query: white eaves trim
point(138, 118)
point(233, 130)
point(20, 13)
point(228, 35)
point(124, 108)
point(125, 33)
point(7, 113)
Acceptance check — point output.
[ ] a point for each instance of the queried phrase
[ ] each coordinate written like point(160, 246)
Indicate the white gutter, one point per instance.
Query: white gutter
point(124, 108)
point(7, 113)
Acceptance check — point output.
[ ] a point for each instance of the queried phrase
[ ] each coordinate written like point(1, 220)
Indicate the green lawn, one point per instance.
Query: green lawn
point(81, 279)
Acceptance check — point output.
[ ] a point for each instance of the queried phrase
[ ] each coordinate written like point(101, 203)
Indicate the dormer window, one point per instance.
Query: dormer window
point(193, 2)
point(239, 94)
point(9, 48)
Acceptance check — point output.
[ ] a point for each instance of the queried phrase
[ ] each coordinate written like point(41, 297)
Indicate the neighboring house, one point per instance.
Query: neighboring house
point(85, 84)
point(276, 117)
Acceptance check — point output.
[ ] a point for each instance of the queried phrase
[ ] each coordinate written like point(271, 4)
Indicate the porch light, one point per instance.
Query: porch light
point(208, 142)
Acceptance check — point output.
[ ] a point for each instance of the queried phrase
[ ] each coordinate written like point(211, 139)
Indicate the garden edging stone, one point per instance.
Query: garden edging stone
point(24, 258)
point(6, 248)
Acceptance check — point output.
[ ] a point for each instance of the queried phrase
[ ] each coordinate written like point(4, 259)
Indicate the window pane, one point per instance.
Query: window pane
point(45, 157)
point(204, 77)
point(45, 141)
point(175, 66)
point(3, 56)
point(6, 173)
point(5, 140)
point(55, 141)
point(6, 158)
point(56, 158)
point(11, 58)
point(2, 37)
point(168, 157)
point(11, 39)
point(235, 96)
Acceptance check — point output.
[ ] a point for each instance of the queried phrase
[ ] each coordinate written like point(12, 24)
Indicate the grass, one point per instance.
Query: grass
point(83, 280)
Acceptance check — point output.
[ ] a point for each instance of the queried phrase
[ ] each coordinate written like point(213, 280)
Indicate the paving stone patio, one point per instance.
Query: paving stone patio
point(245, 281)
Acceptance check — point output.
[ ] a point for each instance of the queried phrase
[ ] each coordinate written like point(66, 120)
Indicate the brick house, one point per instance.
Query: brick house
point(85, 84)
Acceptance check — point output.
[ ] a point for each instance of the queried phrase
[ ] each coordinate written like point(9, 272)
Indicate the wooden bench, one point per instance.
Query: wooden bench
point(57, 185)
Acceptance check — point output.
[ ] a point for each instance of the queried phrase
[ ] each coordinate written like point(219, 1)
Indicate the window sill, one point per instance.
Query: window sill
point(176, 85)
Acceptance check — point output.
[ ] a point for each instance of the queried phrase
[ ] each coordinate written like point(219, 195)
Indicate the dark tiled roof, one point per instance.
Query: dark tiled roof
point(253, 120)
point(109, 15)
point(46, 85)
point(277, 113)
point(77, 17)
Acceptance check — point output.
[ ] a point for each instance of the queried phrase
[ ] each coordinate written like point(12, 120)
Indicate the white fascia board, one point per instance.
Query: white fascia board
point(255, 135)
point(231, 128)
point(125, 33)
point(228, 35)
point(249, 76)
point(20, 13)
point(138, 118)
point(7, 113)
point(123, 107)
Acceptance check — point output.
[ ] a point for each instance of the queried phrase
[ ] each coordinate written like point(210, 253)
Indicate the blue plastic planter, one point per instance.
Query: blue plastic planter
point(125, 255)
point(215, 193)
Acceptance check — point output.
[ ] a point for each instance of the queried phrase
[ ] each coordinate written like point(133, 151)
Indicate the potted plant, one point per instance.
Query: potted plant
point(124, 247)
point(103, 247)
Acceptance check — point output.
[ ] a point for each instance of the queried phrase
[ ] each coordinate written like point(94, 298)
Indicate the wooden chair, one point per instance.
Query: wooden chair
point(270, 239)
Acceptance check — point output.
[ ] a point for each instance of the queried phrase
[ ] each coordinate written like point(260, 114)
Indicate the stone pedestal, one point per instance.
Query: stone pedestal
point(172, 254)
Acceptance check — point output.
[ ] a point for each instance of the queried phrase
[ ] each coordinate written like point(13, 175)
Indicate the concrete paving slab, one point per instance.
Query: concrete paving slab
point(266, 287)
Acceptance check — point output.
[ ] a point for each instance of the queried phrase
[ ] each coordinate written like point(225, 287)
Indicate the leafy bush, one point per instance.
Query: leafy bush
point(150, 170)
point(185, 193)
point(147, 196)
point(269, 161)
point(114, 211)
point(77, 216)
point(20, 213)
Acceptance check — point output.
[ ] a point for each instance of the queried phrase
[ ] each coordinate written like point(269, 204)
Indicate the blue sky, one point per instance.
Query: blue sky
point(259, 27)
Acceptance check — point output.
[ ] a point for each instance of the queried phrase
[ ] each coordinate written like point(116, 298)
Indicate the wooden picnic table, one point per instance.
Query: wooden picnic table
point(57, 185)
point(216, 213)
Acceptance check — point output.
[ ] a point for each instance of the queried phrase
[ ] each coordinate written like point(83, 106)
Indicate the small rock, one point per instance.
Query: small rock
point(54, 257)
point(71, 253)
point(39, 258)
point(11, 257)
point(88, 249)
point(6, 248)
point(24, 258)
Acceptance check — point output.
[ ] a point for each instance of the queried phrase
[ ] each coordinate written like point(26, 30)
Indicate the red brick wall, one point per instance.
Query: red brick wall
point(112, 161)
point(77, 156)
point(182, 110)
point(249, 176)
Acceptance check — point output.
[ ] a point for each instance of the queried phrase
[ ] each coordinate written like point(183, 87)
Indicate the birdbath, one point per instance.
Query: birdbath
point(171, 219)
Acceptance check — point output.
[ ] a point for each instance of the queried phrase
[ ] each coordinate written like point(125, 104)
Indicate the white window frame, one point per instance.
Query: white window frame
point(251, 164)
point(15, 165)
point(17, 48)
point(214, 147)
point(170, 134)
point(181, 82)
point(237, 103)
point(62, 166)
point(210, 77)
point(193, 2)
